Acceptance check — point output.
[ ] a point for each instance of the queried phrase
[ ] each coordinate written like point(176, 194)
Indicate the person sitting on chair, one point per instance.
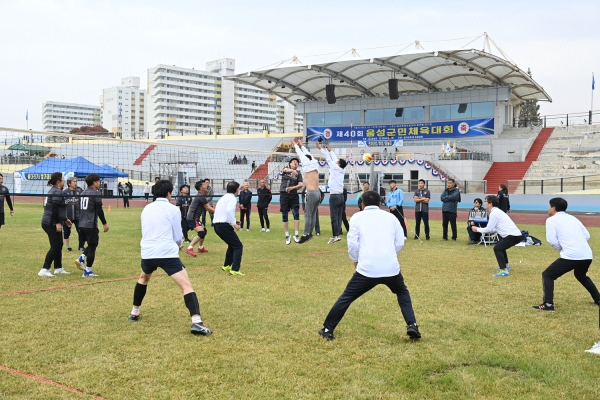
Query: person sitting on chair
point(477, 213)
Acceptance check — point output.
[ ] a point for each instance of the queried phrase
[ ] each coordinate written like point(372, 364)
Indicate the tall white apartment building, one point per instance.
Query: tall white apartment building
point(62, 117)
point(124, 111)
point(185, 101)
point(287, 118)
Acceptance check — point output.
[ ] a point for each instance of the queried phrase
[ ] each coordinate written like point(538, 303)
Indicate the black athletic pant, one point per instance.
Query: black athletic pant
point(560, 267)
point(235, 248)
point(359, 285)
point(185, 228)
point(264, 217)
point(345, 219)
point(246, 213)
point(399, 214)
point(54, 255)
point(90, 235)
point(449, 217)
point(501, 247)
point(422, 215)
point(125, 202)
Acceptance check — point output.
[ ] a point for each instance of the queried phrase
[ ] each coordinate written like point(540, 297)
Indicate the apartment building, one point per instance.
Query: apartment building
point(62, 117)
point(123, 109)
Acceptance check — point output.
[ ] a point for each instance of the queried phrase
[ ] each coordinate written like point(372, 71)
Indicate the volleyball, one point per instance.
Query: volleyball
point(367, 157)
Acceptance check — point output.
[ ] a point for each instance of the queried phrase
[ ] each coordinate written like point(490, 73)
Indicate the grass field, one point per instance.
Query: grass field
point(481, 338)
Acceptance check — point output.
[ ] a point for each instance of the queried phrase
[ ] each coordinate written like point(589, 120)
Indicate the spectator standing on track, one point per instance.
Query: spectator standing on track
point(503, 201)
point(421, 198)
point(4, 195)
point(126, 195)
point(90, 210)
point(155, 182)
point(55, 213)
point(262, 204)
point(161, 242)
point(505, 227)
point(147, 191)
point(374, 241)
point(450, 198)
point(395, 198)
point(245, 199)
point(566, 234)
point(72, 200)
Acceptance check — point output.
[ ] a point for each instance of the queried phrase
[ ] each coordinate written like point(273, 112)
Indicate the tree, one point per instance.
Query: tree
point(530, 111)
point(89, 130)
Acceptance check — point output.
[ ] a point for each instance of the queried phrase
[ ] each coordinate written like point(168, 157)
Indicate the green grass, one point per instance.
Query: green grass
point(481, 338)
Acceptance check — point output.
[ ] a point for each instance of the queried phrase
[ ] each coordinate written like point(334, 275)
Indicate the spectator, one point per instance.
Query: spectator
point(421, 198)
point(450, 199)
point(476, 213)
point(253, 166)
point(366, 187)
point(126, 194)
point(504, 203)
point(153, 189)
point(147, 190)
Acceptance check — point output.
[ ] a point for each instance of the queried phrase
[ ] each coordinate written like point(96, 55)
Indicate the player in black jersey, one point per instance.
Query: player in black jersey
point(3, 195)
point(90, 210)
point(183, 203)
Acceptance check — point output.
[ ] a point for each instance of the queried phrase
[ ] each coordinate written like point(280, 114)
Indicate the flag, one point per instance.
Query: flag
point(27, 114)
point(593, 82)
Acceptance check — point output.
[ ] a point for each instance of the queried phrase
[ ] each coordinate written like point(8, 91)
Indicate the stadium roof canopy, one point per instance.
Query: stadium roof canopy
point(417, 72)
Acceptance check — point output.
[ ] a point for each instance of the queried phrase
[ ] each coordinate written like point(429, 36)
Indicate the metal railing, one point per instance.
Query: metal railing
point(554, 185)
point(577, 118)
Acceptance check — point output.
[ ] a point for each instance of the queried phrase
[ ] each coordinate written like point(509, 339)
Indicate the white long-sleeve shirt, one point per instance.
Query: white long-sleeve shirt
point(225, 210)
point(501, 223)
point(374, 240)
point(161, 230)
point(567, 234)
point(307, 165)
point(336, 173)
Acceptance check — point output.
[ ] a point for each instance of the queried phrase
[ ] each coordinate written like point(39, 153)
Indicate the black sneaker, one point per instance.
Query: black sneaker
point(454, 240)
point(327, 335)
point(416, 237)
point(304, 239)
point(544, 307)
point(200, 329)
point(444, 240)
point(413, 331)
point(133, 317)
point(427, 238)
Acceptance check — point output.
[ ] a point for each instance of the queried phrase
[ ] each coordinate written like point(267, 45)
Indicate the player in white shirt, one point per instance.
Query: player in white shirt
point(507, 230)
point(162, 239)
point(567, 235)
point(374, 241)
point(225, 226)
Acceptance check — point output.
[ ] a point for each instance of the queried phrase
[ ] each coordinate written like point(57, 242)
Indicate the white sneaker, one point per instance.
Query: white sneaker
point(60, 271)
point(45, 272)
point(296, 238)
point(268, 230)
point(334, 239)
point(288, 239)
point(331, 240)
point(318, 234)
point(248, 230)
point(595, 349)
point(262, 230)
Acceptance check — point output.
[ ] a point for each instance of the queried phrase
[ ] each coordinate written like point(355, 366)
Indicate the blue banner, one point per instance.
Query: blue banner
point(394, 135)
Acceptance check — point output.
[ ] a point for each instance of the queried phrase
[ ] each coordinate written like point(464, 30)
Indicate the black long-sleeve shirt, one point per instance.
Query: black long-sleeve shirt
point(55, 208)
point(4, 195)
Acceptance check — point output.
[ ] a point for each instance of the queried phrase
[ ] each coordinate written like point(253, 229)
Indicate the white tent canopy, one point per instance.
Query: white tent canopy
point(416, 72)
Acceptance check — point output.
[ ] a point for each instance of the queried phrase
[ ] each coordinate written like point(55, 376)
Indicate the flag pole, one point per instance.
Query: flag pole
point(593, 84)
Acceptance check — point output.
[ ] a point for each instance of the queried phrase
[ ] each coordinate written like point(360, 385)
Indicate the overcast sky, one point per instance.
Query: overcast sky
point(69, 51)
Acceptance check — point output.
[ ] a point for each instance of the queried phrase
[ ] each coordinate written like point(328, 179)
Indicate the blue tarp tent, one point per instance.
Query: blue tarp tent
point(77, 166)
point(120, 174)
